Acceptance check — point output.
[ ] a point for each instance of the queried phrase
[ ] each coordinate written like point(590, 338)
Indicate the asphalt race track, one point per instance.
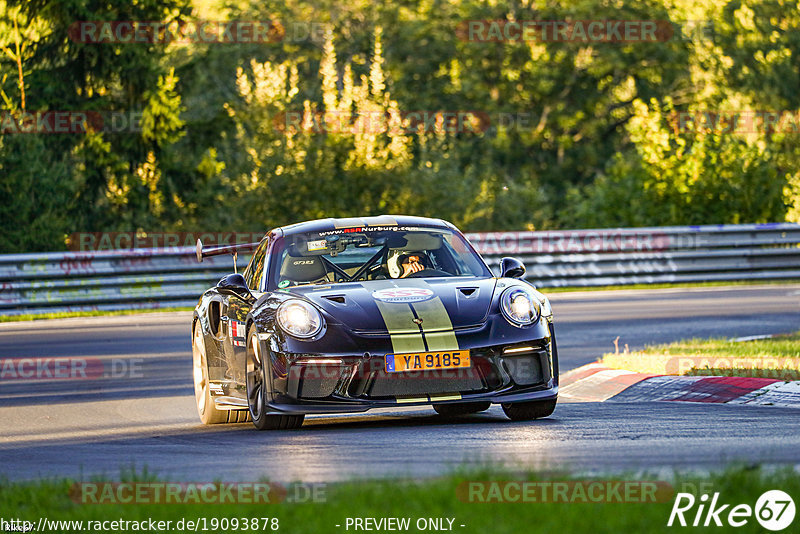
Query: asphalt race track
point(144, 415)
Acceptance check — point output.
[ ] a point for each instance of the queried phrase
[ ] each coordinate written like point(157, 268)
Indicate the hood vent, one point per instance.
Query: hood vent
point(338, 299)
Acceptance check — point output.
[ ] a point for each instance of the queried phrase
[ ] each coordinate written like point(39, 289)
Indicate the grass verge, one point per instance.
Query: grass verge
point(689, 285)
point(777, 357)
point(450, 497)
point(89, 313)
point(546, 290)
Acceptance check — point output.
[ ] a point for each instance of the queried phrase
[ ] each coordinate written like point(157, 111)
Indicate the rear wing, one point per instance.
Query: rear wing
point(205, 252)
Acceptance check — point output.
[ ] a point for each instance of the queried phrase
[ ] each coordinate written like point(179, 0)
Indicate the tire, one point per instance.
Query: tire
point(257, 391)
point(461, 408)
point(206, 409)
point(527, 411)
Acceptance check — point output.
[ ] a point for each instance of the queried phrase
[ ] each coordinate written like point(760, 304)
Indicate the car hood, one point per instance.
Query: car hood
point(404, 306)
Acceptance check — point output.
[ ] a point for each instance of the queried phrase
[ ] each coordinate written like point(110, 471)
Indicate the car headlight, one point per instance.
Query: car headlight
point(519, 306)
point(545, 309)
point(299, 319)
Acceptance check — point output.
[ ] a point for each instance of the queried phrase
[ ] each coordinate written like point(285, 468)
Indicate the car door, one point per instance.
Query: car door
point(238, 308)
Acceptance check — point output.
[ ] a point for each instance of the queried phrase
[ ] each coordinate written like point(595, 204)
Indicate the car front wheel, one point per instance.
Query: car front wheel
point(526, 411)
point(258, 392)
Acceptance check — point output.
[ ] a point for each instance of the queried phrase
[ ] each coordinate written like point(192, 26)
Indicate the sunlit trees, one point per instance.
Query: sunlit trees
point(320, 123)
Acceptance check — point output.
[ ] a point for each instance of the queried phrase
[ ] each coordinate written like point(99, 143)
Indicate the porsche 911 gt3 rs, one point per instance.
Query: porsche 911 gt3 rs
point(345, 315)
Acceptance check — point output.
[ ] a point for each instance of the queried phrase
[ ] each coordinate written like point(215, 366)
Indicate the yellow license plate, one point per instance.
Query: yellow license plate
point(427, 361)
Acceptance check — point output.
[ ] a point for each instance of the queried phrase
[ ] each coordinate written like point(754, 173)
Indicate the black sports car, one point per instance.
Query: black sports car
point(344, 315)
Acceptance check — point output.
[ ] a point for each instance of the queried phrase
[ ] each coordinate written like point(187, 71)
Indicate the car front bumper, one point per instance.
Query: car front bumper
point(337, 383)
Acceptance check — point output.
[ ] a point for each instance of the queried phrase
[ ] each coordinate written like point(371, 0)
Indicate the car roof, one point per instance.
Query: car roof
point(322, 225)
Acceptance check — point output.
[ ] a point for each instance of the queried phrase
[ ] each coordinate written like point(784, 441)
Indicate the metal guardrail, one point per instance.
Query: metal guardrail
point(165, 278)
point(625, 256)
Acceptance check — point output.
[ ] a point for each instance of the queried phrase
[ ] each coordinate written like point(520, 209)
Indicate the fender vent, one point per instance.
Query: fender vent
point(468, 291)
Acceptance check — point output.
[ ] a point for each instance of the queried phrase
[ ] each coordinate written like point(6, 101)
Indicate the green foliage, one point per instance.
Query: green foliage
point(581, 134)
point(35, 185)
point(102, 180)
point(674, 178)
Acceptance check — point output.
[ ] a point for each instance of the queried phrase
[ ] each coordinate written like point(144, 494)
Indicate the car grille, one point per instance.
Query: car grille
point(527, 368)
point(420, 383)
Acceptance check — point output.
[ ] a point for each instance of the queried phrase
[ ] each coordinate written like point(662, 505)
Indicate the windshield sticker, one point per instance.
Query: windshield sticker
point(371, 229)
point(403, 295)
point(317, 245)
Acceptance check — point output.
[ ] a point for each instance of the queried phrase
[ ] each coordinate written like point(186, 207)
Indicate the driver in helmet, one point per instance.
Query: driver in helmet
point(412, 262)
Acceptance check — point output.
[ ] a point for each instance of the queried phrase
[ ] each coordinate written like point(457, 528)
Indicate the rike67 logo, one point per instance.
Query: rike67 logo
point(774, 510)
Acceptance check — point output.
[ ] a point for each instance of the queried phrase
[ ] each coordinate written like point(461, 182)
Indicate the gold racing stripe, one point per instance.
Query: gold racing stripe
point(399, 320)
point(436, 325)
point(445, 396)
point(429, 398)
point(398, 317)
point(403, 400)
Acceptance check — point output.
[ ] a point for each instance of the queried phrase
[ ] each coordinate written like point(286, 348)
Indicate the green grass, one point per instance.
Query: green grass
point(777, 357)
point(438, 498)
point(690, 285)
point(93, 313)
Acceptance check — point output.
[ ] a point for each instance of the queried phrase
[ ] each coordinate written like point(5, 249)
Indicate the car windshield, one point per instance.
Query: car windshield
point(362, 254)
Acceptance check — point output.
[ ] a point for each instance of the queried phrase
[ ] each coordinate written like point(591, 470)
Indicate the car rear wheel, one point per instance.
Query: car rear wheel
point(258, 392)
point(526, 411)
point(461, 408)
point(206, 408)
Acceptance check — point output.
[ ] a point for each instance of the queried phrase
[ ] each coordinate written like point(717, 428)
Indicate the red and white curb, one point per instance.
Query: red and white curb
point(776, 394)
point(597, 383)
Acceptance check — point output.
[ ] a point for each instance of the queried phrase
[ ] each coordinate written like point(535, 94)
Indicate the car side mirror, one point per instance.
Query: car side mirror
point(234, 283)
point(512, 268)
